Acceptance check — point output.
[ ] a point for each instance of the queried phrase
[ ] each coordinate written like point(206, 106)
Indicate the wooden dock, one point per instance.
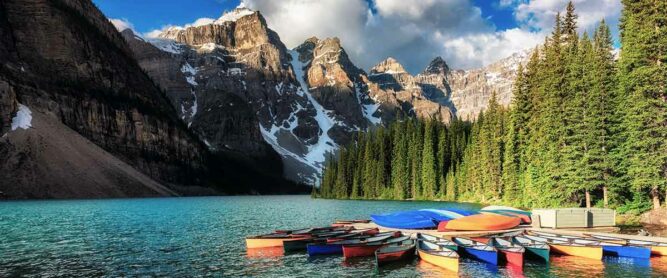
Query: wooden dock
point(602, 231)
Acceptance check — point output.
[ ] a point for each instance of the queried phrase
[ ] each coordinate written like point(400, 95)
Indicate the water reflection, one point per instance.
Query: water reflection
point(425, 269)
point(571, 266)
point(268, 252)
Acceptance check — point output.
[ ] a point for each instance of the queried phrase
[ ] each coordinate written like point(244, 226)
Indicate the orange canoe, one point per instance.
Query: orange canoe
point(483, 222)
point(269, 241)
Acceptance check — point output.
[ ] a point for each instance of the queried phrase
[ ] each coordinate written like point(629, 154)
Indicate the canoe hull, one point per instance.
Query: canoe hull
point(511, 258)
point(591, 252)
point(268, 242)
point(490, 257)
point(385, 258)
point(448, 263)
point(627, 251)
point(351, 251)
point(324, 249)
point(483, 222)
point(659, 250)
point(297, 245)
point(538, 253)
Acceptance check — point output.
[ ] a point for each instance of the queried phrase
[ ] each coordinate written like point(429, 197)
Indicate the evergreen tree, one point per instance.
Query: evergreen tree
point(399, 165)
point(643, 80)
point(428, 162)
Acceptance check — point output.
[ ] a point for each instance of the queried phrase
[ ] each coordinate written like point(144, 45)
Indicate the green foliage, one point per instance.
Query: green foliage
point(580, 124)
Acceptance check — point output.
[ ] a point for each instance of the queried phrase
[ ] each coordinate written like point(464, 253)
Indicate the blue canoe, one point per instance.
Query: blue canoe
point(405, 220)
point(608, 248)
point(627, 251)
point(477, 250)
point(315, 249)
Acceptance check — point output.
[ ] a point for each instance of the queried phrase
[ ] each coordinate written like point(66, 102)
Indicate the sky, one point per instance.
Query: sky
point(466, 33)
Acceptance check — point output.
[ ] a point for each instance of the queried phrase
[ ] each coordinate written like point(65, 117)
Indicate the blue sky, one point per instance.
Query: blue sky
point(147, 15)
point(466, 33)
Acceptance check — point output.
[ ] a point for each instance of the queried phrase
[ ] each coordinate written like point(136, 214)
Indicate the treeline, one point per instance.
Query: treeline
point(407, 160)
point(582, 129)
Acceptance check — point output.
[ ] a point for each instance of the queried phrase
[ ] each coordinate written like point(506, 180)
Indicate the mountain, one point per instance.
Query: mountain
point(242, 92)
point(470, 90)
point(80, 118)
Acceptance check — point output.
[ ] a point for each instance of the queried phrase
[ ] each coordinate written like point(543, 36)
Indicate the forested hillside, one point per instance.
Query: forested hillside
point(583, 129)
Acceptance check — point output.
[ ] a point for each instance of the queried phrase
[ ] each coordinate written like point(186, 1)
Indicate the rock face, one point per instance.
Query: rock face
point(65, 61)
point(415, 95)
point(75, 65)
point(240, 90)
point(470, 90)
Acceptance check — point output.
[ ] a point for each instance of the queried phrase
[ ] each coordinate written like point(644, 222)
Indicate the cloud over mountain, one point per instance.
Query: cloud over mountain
point(416, 31)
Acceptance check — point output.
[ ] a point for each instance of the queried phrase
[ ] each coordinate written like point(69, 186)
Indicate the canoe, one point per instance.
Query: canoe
point(336, 247)
point(441, 214)
point(477, 250)
point(483, 222)
point(300, 245)
point(534, 249)
point(438, 255)
point(569, 248)
point(610, 247)
point(525, 219)
point(396, 252)
point(270, 240)
point(657, 248)
point(438, 240)
point(367, 249)
point(510, 253)
point(360, 234)
point(508, 209)
point(405, 220)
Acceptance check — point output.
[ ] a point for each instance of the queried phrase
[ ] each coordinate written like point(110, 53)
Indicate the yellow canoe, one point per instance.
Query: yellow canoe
point(268, 241)
point(659, 250)
point(591, 252)
point(438, 256)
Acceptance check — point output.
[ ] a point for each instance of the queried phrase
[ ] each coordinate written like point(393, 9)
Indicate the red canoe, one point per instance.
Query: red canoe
point(368, 249)
point(392, 253)
point(510, 253)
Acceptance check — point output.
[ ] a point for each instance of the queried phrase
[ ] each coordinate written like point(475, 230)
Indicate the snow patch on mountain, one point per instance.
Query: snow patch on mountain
point(316, 153)
point(368, 109)
point(167, 45)
point(190, 73)
point(23, 118)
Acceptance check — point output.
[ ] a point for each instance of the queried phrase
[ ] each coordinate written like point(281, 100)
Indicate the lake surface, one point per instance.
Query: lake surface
point(186, 237)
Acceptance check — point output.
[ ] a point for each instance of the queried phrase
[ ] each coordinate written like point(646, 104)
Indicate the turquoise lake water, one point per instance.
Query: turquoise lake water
point(194, 237)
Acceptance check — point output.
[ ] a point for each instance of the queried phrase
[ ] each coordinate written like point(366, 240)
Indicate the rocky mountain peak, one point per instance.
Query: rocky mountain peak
point(234, 15)
point(388, 66)
point(437, 66)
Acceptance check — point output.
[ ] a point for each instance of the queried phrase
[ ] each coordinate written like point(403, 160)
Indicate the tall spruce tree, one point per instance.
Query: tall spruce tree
point(643, 81)
point(429, 178)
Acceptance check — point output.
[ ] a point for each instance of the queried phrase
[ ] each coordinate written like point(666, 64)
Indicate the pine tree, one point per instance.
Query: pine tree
point(415, 149)
point(604, 91)
point(399, 165)
point(643, 82)
point(368, 176)
point(442, 165)
point(428, 162)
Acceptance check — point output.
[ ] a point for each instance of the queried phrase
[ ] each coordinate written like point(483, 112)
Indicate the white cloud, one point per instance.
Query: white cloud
point(414, 32)
point(121, 24)
point(540, 14)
